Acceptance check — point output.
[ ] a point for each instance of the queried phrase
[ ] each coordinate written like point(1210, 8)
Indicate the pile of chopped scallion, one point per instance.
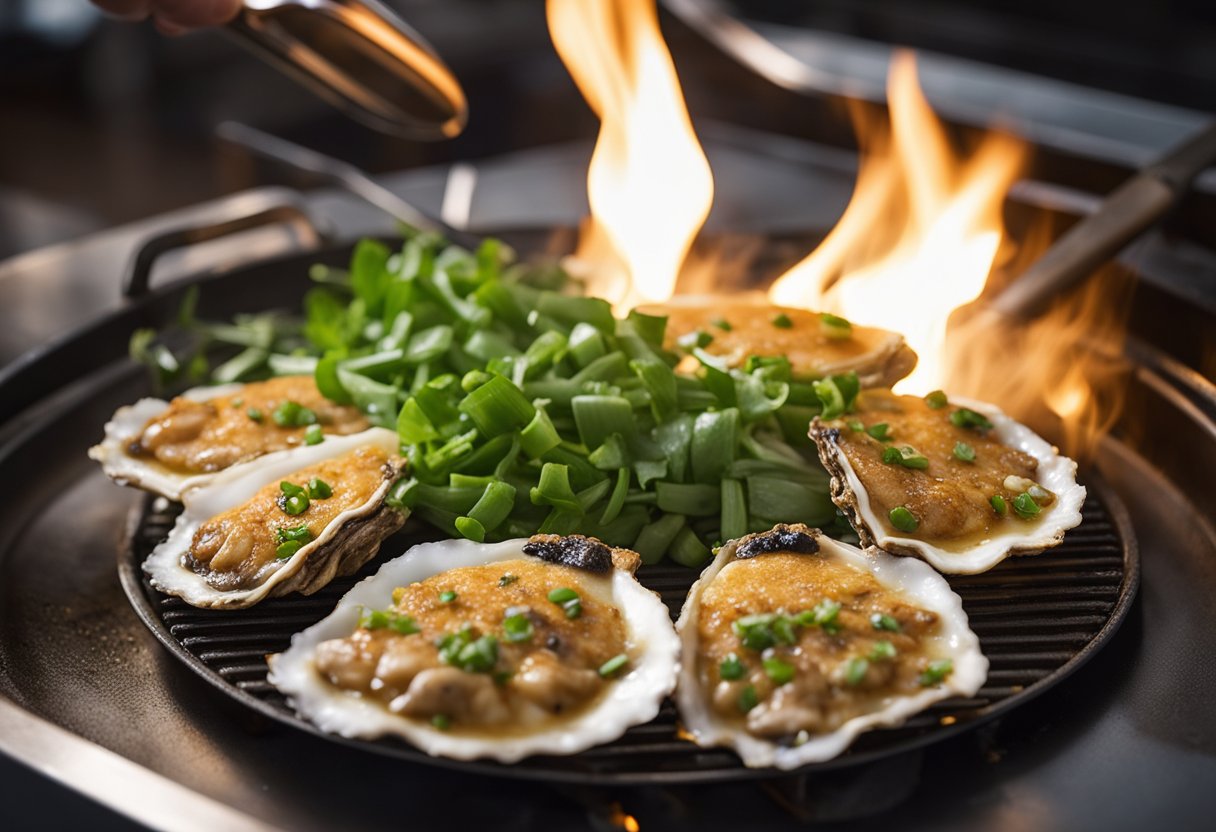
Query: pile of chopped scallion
point(524, 407)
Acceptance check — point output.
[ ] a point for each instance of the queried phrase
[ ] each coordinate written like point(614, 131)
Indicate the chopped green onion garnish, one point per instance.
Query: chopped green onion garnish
point(936, 672)
point(472, 656)
point(825, 615)
point(291, 414)
point(238, 402)
point(936, 400)
point(517, 626)
point(1025, 507)
point(614, 664)
point(906, 456)
point(964, 452)
point(998, 504)
point(447, 596)
point(294, 500)
point(731, 668)
point(882, 651)
point(573, 608)
point(782, 321)
point(966, 418)
point(856, 425)
point(313, 435)
point(697, 339)
point(748, 699)
point(562, 595)
point(441, 722)
point(287, 548)
point(388, 619)
point(855, 670)
point(834, 326)
point(507, 579)
point(903, 519)
point(319, 489)
point(254, 413)
point(880, 431)
point(722, 324)
point(882, 621)
point(780, 672)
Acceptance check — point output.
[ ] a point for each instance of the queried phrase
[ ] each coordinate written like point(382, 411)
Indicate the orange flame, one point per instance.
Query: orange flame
point(919, 236)
point(649, 183)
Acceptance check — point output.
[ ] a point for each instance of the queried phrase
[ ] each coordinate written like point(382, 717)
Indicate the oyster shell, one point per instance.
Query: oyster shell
point(208, 429)
point(834, 641)
point(224, 550)
point(435, 586)
point(880, 358)
point(955, 526)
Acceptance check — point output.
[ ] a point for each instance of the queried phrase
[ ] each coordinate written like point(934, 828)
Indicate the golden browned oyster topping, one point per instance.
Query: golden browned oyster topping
point(263, 416)
point(237, 549)
point(815, 349)
point(940, 464)
point(498, 647)
point(794, 643)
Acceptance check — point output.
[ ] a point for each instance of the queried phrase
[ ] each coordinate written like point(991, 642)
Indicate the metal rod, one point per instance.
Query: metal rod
point(1130, 210)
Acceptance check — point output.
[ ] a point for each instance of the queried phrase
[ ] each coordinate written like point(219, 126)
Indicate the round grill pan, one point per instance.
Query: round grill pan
point(1038, 620)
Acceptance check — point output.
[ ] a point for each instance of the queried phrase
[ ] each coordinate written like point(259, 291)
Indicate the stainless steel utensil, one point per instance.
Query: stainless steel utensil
point(360, 57)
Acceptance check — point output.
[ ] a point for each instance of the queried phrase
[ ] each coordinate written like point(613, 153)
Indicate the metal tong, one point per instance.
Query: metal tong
point(360, 57)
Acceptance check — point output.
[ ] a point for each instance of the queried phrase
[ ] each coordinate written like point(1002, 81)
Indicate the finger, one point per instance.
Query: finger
point(131, 10)
point(191, 14)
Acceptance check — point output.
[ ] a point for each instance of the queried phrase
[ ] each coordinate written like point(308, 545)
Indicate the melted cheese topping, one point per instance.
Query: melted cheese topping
point(553, 674)
point(820, 696)
point(238, 549)
point(950, 497)
point(812, 354)
point(201, 437)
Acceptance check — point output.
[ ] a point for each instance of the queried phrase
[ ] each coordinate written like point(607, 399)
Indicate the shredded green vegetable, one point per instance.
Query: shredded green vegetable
point(524, 407)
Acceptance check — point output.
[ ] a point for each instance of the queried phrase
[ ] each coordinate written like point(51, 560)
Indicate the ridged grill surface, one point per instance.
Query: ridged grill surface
point(1033, 616)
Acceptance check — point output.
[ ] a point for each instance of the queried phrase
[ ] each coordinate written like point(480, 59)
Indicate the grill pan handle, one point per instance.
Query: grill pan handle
point(139, 275)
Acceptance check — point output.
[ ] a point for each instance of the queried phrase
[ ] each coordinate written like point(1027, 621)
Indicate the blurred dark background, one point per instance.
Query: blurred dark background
point(106, 122)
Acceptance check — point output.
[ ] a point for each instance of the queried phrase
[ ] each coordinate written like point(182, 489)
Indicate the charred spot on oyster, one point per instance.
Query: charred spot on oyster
point(958, 483)
point(781, 538)
point(479, 650)
point(789, 655)
point(571, 550)
point(816, 345)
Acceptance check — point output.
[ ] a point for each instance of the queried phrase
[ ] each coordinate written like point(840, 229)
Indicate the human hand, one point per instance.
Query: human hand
point(172, 17)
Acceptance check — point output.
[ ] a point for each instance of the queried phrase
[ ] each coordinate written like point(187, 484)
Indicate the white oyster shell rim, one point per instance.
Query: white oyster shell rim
point(632, 699)
point(233, 486)
point(126, 424)
point(1056, 473)
point(909, 577)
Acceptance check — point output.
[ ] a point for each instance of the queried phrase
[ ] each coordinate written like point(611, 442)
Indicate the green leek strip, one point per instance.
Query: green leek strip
point(660, 383)
point(714, 438)
point(326, 377)
point(623, 530)
point(717, 379)
point(428, 344)
point(810, 473)
point(413, 426)
point(292, 365)
point(693, 499)
point(559, 392)
point(734, 510)
point(467, 481)
point(651, 328)
point(598, 417)
point(757, 398)
point(554, 489)
point(654, 539)
point(368, 273)
point(588, 497)
point(547, 350)
point(539, 436)
point(496, 297)
point(635, 346)
point(786, 501)
point(439, 459)
point(573, 310)
point(611, 455)
point(440, 519)
point(582, 473)
point(687, 550)
point(803, 395)
point(486, 458)
point(795, 423)
point(675, 440)
point(508, 460)
point(456, 500)
point(378, 401)
point(649, 470)
point(394, 339)
point(493, 507)
point(240, 365)
point(439, 286)
point(586, 344)
point(378, 364)
point(695, 401)
point(497, 407)
point(484, 345)
point(605, 368)
point(460, 361)
point(436, 400)
point(617, 501)
point(470, 529)
point(561, 521)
